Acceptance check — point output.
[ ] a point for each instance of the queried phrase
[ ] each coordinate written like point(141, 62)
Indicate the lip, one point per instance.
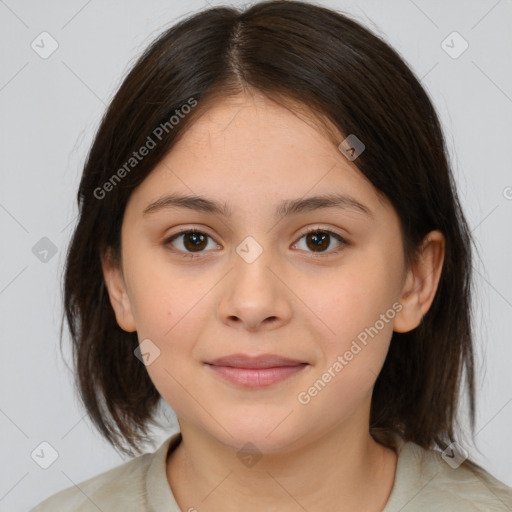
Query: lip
point(255, 371)
point(259, 361)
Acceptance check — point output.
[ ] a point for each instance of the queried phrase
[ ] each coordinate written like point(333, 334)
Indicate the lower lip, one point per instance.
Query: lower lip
point(256, 377)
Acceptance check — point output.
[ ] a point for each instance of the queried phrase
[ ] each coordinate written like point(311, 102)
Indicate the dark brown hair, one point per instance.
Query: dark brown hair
point(297, 54)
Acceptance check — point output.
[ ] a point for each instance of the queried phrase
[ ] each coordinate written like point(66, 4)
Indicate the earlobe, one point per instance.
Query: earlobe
point(421, 283)
point(114, 281)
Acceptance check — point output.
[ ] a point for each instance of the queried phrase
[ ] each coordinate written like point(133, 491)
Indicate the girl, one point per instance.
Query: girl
point(270, 241)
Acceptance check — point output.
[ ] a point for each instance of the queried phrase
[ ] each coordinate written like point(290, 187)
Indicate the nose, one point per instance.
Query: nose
point(255, 295)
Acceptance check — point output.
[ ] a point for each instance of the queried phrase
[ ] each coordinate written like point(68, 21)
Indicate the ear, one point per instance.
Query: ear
point(421, 283)
point(116, 287)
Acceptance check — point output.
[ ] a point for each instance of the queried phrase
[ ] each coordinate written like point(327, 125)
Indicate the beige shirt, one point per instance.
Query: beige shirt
point(423, 482)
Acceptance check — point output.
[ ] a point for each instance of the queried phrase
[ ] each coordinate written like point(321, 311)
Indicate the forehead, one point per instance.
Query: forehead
point(249, 148)
point(256, 117)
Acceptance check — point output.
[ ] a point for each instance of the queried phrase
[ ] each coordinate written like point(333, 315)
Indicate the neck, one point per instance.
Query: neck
point(343, 470)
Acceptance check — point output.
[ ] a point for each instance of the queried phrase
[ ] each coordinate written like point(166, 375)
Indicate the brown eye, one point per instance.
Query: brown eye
point(192, 241)
point(319, 240)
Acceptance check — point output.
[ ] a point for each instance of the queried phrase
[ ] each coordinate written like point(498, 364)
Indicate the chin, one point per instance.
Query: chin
point(262, 435)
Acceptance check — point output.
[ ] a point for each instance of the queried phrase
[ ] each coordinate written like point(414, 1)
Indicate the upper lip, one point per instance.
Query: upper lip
point(260, 361)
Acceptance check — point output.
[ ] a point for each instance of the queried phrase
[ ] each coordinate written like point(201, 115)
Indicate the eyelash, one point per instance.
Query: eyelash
point(314, 255)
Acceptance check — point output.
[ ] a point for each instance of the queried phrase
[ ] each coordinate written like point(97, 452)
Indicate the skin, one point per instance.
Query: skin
point(251, 153)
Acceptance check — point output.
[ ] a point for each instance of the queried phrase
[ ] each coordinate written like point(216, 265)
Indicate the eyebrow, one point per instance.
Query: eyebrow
point(285, 208)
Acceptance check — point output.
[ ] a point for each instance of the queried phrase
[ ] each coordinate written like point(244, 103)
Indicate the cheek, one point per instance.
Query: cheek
point(164, 299)
point(353, 298)
point(359, 306)
point(169, 311)
point(351, 362)
point(154, 310)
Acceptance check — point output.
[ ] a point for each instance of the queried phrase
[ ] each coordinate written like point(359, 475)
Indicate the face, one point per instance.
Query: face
point(319, 285)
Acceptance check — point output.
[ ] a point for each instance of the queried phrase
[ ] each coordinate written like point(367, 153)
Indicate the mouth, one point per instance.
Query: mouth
point(255, 371)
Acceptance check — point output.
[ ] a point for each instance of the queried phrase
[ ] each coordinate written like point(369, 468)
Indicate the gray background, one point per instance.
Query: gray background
point(50, 110)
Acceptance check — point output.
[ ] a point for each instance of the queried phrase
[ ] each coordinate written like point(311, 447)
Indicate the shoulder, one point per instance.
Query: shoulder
point(121, 488)
point(427, 480)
